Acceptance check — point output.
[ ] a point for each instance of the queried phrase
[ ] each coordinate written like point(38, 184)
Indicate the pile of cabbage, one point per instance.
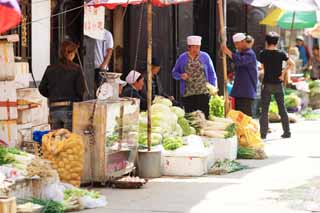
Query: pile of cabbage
point(167, 121)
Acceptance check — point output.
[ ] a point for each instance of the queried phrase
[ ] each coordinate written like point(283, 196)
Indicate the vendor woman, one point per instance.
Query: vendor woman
point(63, 84)
point(135, 84)
point(194, 69)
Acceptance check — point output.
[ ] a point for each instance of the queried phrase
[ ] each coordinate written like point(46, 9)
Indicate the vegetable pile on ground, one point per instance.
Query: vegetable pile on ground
point(66, 152)
point(215, 128)
point(292, 103)
point(250, 153)
point(42, 168)
point(167, 121)
point(216, 106)
point(221, 167)
point(309, 114)
point(314, 96)
point(248, 134)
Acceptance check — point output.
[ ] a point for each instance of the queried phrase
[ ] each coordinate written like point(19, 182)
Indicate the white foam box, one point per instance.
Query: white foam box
point(224, 148)
point(9, 132)
point(24, 133)
point(22, 74)
point(38, 115)
point(8, 101)
point(189, 165)
point(41, 127)
point(6, 52)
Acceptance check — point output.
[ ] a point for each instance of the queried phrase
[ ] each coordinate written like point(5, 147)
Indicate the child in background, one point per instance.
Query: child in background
point(315, 63)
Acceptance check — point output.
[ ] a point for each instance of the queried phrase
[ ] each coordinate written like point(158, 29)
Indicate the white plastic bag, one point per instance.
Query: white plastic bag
point(55, 191)
point(90, 203)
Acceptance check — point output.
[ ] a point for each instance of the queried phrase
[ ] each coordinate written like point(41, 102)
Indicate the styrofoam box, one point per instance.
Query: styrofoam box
point(8, 93)
point(24, 133)
point(6, 52)
point(40, 114)
point(9, 132)
point(22, 74)
point(225, 148)
point(187, 165)
point(24, 116)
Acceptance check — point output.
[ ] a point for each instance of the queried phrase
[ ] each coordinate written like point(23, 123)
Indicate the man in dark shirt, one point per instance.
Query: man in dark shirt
point(63, 84)
point(271, 59)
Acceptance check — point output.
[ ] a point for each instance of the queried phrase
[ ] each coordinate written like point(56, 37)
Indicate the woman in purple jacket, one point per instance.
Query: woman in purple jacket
point(194, 69)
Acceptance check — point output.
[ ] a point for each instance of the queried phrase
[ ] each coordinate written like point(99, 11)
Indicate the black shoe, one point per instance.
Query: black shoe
point(286, 135)
point(263, 137)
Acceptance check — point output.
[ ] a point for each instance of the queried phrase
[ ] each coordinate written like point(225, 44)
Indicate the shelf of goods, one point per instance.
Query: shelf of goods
point(110, 138)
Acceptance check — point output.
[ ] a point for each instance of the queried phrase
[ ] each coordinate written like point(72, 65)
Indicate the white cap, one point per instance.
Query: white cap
point(132, 76)
point(238, 37)
point(194, 40)
point(300, 38)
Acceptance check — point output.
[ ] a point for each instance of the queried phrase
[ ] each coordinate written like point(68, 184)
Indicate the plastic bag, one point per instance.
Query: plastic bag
point(90, 203)
point(55, 191)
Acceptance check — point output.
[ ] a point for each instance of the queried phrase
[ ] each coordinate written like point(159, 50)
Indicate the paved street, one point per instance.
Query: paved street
point(266, 187)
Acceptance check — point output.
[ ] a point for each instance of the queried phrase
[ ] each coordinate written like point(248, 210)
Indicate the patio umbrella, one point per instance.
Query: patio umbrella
point(111, 4)
point(283, 19)
point(289, 5)
point(314, 32)
point(10, 14)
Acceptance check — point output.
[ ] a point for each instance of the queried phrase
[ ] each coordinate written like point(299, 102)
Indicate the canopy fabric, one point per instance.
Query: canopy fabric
point(10, 14)
point(111, 4)
point(288, 5)
point(314, 32)
point(284, 19)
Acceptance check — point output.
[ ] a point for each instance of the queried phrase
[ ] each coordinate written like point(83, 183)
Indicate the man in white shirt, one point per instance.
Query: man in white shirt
point(102, 55)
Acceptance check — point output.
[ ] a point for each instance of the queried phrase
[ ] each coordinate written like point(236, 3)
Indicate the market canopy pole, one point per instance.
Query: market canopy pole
point(149, 79)
point(224, 59)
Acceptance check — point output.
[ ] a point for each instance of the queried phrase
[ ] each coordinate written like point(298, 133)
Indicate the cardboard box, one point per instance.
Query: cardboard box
point(9, 132)
point(8, 101)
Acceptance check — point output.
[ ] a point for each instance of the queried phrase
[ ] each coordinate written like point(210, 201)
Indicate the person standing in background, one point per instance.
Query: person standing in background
point(304, 52)
point(102, 55)
point(63, 84)
point(194, 69)
point(244, 89)
point(315, 64)
point(272, 59)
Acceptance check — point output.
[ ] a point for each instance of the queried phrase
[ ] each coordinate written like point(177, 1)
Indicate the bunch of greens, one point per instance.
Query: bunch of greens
point(216, 106)
point(49, 206)
point(186, 128)
point(17, 158)
point(226, 166)
point(172, 143)
point(232, 130)
point(68, 193)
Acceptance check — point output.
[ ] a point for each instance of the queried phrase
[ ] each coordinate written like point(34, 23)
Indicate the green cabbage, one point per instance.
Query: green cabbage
point(184, 123)
point(178, 111)
point(162, 100)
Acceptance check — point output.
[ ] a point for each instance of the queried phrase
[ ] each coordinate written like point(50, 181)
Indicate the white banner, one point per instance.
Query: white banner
point(93, 23)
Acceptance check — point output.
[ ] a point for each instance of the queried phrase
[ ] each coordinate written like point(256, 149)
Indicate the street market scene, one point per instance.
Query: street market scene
point(149, 106)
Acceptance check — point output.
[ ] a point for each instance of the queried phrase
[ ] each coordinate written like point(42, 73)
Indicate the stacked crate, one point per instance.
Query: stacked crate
point(21, 108)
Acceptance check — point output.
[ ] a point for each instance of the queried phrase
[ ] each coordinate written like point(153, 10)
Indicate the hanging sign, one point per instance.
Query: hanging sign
point(93, 24)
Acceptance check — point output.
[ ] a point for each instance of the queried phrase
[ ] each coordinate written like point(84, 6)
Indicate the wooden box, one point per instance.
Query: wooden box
point(111, 148)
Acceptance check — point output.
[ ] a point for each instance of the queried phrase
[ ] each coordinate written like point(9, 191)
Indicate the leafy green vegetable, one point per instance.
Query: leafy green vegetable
point(292, 101)
point(273, 107)
point(186, 128)
point(226, 166)
point(68, 193)
point(162, 100)
point(216, 106)
point(246, 153)
point(111, 139)
point(49, 206)
point(232, 130)
point(178, 111)
point(172, 143)
point(156, 139)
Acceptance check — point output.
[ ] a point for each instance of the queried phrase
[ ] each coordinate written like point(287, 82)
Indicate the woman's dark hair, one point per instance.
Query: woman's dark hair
point(66, 48)
point(140, 77)
point(315, 48)
point(272, 38)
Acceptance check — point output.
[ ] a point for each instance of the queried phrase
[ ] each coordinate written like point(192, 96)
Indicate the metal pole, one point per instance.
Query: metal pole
point(149, 79)
point(224, 59)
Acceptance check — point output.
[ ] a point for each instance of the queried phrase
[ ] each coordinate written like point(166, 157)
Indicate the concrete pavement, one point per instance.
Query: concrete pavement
point(263, 188)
